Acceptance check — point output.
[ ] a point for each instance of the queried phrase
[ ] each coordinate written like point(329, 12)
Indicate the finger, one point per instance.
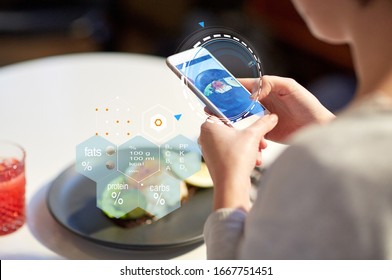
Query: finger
point(279, 85)
point(269, 83)
point(262, 144)
point(253, 85)
point(207, 111)
point(214, 119)
point(210, 114)
point(264, 125)
point(209, 125)
point(258, 159)
point(250, 83)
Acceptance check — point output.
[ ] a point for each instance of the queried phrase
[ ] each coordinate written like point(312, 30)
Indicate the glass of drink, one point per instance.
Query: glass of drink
point(12, 187)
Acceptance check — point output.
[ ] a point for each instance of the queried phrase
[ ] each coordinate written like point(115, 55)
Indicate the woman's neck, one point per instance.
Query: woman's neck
point(372, 51)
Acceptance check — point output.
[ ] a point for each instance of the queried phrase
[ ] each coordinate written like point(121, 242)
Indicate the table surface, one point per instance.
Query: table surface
point(49, 106)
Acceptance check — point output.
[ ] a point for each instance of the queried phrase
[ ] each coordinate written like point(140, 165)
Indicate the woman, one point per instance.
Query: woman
point(329, 195)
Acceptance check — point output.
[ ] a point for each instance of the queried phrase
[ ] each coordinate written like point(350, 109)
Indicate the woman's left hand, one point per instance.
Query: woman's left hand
point(231, 155)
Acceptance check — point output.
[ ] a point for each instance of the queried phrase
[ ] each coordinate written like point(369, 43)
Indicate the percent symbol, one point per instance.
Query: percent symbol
point(159, 199)
point(117, 198)
point(87, 166)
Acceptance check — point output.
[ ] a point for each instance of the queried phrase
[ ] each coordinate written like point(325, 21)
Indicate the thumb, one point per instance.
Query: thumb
point(264, 125)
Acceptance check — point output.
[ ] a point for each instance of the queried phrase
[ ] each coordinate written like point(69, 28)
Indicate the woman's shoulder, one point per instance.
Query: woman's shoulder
point(363, 124)
point(359, 138)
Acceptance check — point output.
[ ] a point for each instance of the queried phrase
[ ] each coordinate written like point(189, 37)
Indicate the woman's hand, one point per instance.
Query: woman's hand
point(231, 155)
point(295, 106)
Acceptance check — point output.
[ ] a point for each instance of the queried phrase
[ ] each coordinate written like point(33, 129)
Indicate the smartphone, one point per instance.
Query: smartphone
point(216, 87)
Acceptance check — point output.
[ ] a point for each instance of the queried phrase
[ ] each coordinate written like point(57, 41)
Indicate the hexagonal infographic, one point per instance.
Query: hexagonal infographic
point(117, 196)
point(138, 177)
point(162, 194)
point(121, 197)
point(158, 122)
point(138, 158)
point(96, 158)
point(181, 157)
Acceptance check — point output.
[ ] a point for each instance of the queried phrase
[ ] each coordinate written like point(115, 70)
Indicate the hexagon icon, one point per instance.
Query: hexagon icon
point(162, 194)
point(158, 122)
point(117, 197)
point(181, 157)
point(96, 158)
point(138, 158)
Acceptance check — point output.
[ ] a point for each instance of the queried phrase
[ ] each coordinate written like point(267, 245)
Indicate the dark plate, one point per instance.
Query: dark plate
point(71, 201)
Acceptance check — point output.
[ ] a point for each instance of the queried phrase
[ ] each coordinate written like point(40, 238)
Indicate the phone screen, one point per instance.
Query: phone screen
point(210, 77)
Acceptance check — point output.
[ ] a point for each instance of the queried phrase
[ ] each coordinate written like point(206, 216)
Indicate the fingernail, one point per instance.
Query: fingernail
point(273, 118)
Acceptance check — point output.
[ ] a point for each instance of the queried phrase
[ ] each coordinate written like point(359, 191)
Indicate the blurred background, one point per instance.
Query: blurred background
point(31, 29)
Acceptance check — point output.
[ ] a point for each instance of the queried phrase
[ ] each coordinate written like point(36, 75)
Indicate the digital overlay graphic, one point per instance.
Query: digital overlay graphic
point(144, 175)
point(139, 161)
point(238, 58)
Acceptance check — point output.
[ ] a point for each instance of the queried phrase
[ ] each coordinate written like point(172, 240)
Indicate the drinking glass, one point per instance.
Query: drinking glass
point(12, 187)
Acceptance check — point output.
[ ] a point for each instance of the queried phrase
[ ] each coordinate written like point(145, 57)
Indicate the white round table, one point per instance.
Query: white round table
point(49, 106)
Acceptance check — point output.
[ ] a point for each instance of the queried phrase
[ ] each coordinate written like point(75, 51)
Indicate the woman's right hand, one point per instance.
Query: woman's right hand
point(295, 106)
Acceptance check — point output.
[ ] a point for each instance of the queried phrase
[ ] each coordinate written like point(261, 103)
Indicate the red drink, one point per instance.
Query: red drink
point(12, 193)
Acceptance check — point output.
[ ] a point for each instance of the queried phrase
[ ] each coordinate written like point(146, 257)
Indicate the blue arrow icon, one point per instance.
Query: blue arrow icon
point(178, 117)
point(201, 23)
